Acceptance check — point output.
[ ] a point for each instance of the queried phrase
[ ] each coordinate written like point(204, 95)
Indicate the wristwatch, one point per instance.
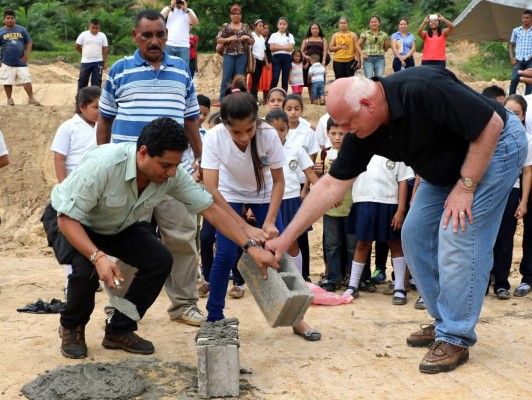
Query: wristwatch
point(249, 243)
point(468, 182)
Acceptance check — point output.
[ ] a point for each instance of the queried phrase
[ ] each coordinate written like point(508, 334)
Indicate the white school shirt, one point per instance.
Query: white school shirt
point(178, 25)
point(3, 148)
point(92, 46)
point(259, 47)
point(281, 39)
point(321, 131)
point(74, 139)
point(297, 160)
point(528, 160)
point(379, 184)
point(305, 137)
point(236, 179)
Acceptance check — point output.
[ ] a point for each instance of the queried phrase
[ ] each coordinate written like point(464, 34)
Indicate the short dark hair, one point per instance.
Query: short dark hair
point(152, 15)
point(204, 101)
point(517, 98)
point(95, 21)
point(9, 12)
point(529, 12)
point(274, 115)
point(86, 96)
point(493, 91)
point(162, 134)
point(331, 123)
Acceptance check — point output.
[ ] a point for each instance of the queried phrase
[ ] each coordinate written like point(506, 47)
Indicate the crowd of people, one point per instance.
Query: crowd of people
point(143, 157)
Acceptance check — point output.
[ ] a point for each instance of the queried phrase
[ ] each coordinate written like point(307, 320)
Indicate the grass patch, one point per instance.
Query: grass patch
point(492, 62)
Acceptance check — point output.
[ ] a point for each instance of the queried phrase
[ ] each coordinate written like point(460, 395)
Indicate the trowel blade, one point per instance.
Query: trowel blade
point(125, 307)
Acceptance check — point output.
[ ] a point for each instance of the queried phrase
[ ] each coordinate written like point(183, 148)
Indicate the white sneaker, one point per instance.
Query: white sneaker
point(193, 316)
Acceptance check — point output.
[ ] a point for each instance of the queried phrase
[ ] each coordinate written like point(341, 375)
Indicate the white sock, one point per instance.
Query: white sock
point(298, 262)
point(241, 287)
point(68, 272)
point(399, 269)
point(356, 273)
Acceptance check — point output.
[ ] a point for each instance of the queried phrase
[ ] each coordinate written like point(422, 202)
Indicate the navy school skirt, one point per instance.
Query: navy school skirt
point(371, 222)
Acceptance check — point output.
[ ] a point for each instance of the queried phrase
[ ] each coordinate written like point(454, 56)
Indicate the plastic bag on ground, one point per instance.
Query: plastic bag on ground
point(325, 298)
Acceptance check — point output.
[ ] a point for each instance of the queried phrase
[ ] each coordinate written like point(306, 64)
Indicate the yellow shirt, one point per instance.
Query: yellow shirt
point(344, 55)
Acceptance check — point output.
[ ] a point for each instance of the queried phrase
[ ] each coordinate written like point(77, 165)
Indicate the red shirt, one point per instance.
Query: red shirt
point(193, 46)
point(434, 47)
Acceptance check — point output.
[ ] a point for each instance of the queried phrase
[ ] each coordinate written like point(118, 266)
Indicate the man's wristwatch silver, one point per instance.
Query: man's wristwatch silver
point(249, 243)
point(468, 182)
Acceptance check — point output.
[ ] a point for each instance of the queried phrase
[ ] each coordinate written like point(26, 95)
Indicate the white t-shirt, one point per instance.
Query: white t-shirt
point(306, 138)
point(317, 72)
point(281, 39)
point(379, 184)
point(321, 131)
point(236, 179)
point(259, 46)
point(74, 139)
point(92, 46)
point(178, 25)
point(3, 148)
point(528, 160)
point(296, 161)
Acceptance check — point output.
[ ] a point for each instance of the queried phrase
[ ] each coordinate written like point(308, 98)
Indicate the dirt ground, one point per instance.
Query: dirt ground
point(362, 353)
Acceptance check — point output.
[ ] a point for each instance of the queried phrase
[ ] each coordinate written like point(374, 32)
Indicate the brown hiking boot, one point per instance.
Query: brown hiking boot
point(443, 357)
point(73, 342)
point(422, 338)
point(128, 341)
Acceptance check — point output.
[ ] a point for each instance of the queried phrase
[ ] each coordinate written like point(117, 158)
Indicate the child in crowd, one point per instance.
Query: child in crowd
point(75, 138)
point(193, 63)
point(297, 160)
point(377, 214)
point(316, 77)
point(4, 155)
point(266, 76)
point(296, 73)
point(281, 45)
point(516, 208)
point(243, 143)
point(338, 244)
point(301, 134)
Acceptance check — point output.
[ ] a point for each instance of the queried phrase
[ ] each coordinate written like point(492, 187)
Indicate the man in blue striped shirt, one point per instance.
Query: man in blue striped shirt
point(139, 89)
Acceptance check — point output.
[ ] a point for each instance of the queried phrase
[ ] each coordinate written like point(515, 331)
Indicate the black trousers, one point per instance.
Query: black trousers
point(525, 268)
point(136, 246)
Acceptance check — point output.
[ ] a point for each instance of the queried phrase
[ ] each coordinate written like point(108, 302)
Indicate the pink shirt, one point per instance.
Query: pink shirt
point(434, 47)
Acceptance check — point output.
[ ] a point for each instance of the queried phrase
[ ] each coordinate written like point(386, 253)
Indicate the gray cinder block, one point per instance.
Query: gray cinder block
point(284, 297)
point(218, 360)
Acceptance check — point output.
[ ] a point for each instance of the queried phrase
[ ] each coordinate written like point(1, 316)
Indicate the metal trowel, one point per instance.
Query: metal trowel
point(124, 306)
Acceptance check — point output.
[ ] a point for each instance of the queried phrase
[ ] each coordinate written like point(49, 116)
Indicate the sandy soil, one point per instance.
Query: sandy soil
point(363, 353)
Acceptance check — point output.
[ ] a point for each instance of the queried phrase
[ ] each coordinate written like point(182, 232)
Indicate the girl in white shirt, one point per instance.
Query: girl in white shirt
point(259, 52)
point(242, 163)
point(281, 45)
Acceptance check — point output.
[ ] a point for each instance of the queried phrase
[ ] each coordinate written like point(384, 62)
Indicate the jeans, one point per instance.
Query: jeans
point(521, 65)
point(90, 70)
point(396, 65)
point(232, 66)
point(451, 270)
point(181, 52)
point(336, 243)
point(281, 63)
point(192, 66)
point(317, 90)
point(207, 240)
point(436, 63)
point(373, 66)
point(226, 255)
point(504, 245)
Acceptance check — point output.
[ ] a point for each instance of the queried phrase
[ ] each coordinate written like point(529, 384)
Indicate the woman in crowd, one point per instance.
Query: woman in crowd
point(403, 47)
point(434, 39)
point(372, 45)
point(281, 45)
point(236, 38)
point(314, 43)
point(259, 52)
point(343, 44)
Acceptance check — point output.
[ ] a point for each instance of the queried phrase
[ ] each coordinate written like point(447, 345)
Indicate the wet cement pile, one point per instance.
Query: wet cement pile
point(145, 379)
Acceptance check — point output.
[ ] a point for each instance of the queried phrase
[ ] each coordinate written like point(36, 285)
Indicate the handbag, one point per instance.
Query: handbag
point(250, 67)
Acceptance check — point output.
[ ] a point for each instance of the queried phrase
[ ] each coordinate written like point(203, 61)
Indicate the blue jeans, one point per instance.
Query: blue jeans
point(373, 66)
point(521, 65)
point(232, 66)
point(317, 90)
point(281, 63)
point(90, 70)
point(451, 270)
point(226, 254)
point(436, 63)
point(339, 246)
point(181, 52)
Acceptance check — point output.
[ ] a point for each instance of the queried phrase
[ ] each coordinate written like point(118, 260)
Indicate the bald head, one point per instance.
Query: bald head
point(357, 105)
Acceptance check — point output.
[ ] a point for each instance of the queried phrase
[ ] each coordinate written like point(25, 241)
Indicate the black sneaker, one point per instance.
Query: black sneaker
point(128, 341)
point(330, 287)
point(367, 286)
point(73, 342)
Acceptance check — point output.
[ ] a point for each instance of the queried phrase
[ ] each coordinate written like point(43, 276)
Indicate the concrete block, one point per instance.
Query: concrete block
point(284, 297)
point(217, 348)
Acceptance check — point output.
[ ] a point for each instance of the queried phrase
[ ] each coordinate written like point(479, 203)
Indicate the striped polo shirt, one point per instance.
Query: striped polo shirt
point(135, 94)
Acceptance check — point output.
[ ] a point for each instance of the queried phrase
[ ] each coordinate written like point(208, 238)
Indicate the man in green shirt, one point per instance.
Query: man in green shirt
point(95, 212)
